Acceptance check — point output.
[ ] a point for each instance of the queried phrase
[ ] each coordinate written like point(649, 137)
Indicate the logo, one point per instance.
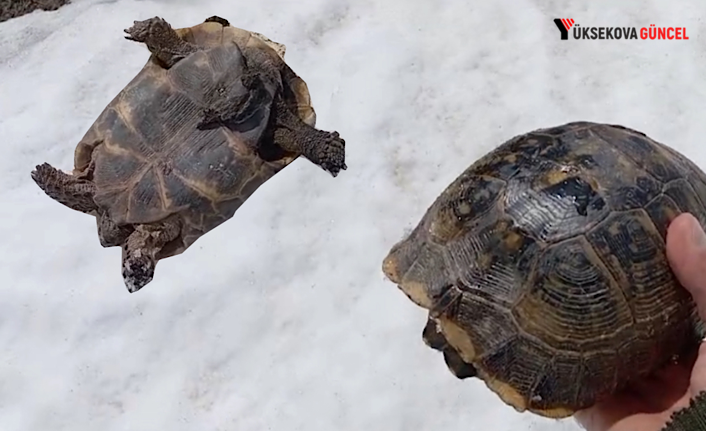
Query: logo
point(565, 26)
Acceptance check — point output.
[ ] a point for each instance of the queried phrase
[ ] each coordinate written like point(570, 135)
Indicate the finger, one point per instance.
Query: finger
point(605, 414)
point(686, 252)
point(663, 389)
point(678, 372)
point(698, 375)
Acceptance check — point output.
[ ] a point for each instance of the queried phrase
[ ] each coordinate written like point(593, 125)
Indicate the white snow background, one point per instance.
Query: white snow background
point(281, 319)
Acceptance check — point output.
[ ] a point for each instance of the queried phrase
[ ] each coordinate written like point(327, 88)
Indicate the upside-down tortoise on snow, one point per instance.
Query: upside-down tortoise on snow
point(543, 266)
point(213, 114)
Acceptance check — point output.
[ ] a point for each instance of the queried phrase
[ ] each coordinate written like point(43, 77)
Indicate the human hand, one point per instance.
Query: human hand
point(647, 405)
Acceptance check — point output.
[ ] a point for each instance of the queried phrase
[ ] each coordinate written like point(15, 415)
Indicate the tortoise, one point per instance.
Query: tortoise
point(542, 267)
point(213, 114)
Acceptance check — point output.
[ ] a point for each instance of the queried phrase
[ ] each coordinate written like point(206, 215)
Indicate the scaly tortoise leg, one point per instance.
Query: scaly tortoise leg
point(433, 338)
point(75, 193)
point(325, 149)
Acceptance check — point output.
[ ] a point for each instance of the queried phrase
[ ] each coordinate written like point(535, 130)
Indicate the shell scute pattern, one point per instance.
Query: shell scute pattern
point(553, 246)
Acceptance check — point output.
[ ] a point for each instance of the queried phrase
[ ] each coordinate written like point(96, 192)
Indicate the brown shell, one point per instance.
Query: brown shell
point(150, 161)
point(543, 265)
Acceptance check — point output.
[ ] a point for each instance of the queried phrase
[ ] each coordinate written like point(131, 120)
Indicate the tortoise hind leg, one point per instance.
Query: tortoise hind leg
point(111, 234)
point(325, 149)
point(433, 338)
point(77, 194)
point(458, 366)
point(161, 39)
point(73, 192)
point(141, 249)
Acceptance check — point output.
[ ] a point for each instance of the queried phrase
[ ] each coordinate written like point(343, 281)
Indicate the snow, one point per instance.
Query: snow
point(281, 318)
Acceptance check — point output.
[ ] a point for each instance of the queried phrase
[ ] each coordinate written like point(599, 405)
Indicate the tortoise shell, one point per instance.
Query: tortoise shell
point(543, 265)
point(148, 158)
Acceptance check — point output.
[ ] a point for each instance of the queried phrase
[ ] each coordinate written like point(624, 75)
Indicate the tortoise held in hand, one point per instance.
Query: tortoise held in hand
point(543, 266)
point(213, 114)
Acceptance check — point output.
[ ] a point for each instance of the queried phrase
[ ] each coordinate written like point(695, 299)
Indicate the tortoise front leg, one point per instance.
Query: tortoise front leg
point(75, 193)
point(325, 149)
point(141, 249)
point(161, 40)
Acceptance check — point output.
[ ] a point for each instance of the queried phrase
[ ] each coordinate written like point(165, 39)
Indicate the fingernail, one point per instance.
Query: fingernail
point(697, 233)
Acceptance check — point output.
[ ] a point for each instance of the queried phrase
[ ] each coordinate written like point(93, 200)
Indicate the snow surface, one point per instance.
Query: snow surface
point(281, 318)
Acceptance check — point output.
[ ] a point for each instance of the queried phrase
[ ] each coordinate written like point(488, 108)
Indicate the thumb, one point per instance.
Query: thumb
point(686, 252)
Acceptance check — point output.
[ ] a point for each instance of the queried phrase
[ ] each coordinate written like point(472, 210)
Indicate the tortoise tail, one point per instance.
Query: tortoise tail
point(73, 192)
